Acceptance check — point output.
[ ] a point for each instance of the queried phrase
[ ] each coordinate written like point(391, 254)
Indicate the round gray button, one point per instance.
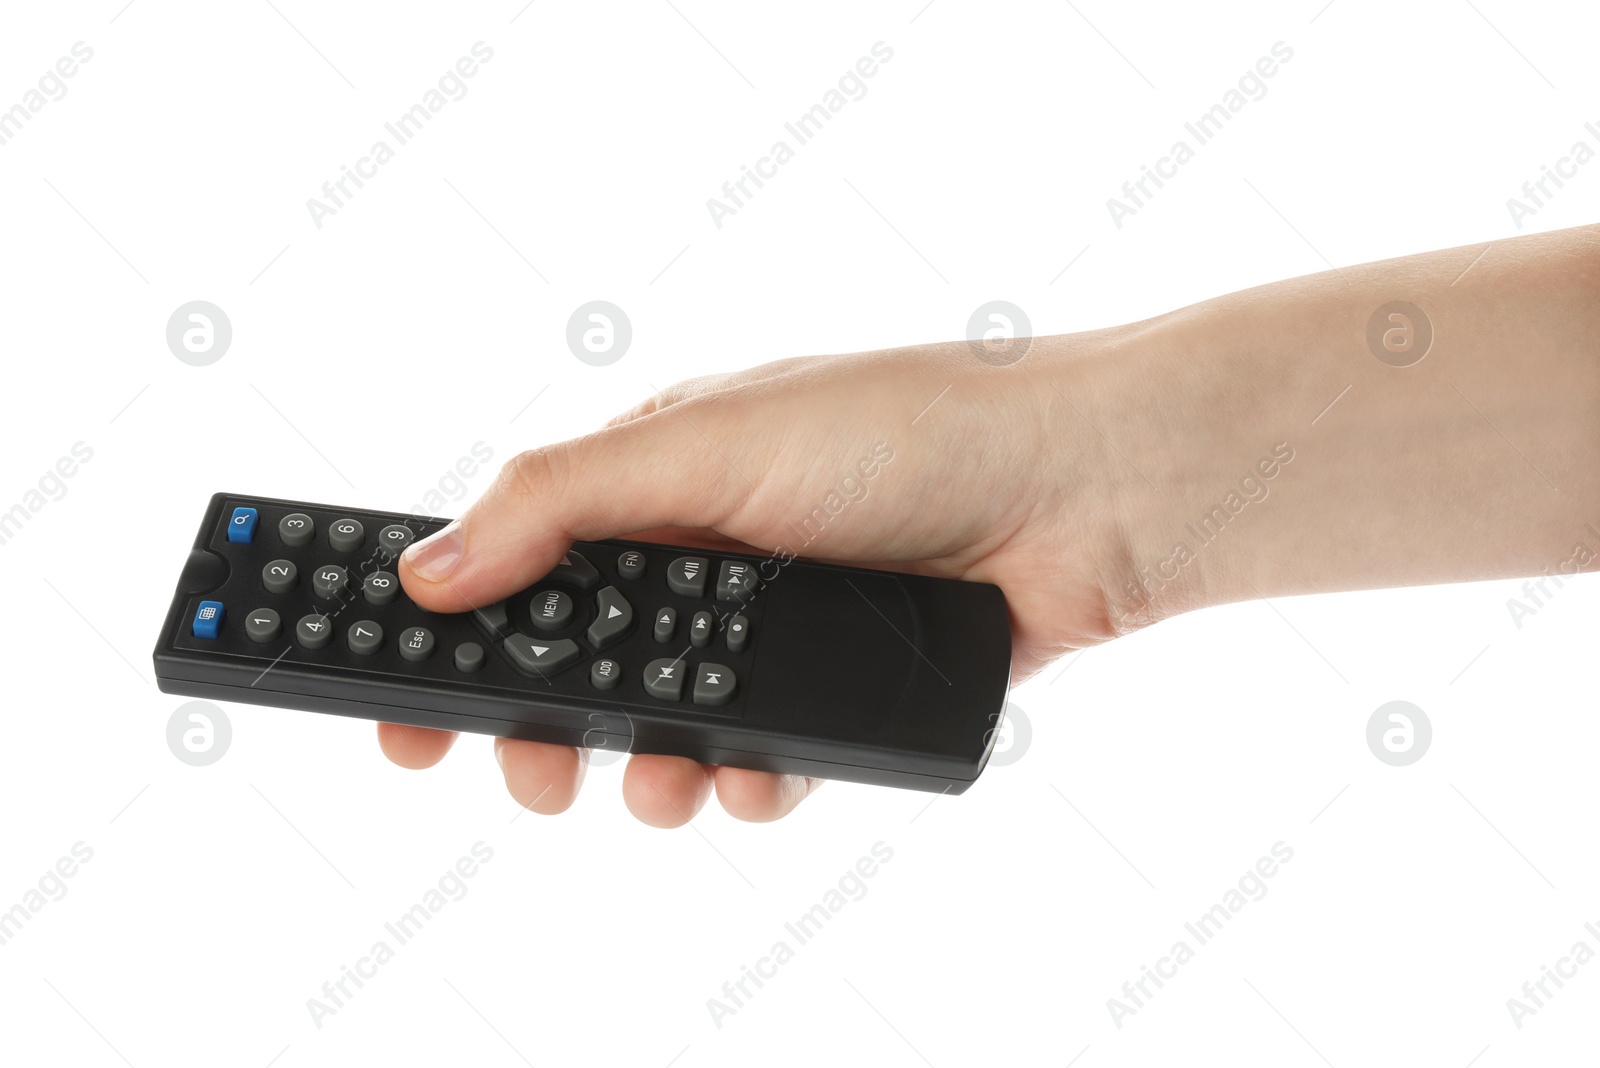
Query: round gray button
point(346, 535)
point(416, 643)
point(393, 539)
point(280, 576)
point(630, 565)
point(551, 609)
point(329, 581)
point(365, 637)
point(469, 657)
point(263, 625)
point(313, 631)
point(605, 674)
point(380, 588)
point(297, 529)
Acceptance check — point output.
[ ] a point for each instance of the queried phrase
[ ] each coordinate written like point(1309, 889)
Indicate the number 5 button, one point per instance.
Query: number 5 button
point(329, 582)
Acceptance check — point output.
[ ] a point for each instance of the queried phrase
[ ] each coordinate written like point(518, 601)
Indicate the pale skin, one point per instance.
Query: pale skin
point(1069, 477)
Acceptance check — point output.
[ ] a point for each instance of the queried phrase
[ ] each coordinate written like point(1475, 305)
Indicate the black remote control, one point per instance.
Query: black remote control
point(769, 663)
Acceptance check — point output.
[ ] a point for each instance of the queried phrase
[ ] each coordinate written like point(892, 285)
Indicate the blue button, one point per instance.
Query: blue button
point(242, 527)
point(208, 619)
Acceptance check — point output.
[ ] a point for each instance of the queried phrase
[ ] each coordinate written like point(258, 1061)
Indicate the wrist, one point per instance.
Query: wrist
point(1202, 424)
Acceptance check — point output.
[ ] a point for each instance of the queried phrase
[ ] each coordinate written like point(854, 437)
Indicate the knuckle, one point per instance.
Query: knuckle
point(532, 474)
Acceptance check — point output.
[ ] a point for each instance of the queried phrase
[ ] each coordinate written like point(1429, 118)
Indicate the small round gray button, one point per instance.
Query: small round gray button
point(314, 631)
point(280, 576)
point(365, 637)
point(469, 657)
point(297, 529)
point(551, 609)
point(329, 581)
point(346, 535)
point(393, 539)
point(416, 643)
point(630, 565)
point(605, 673)
point(380, 588)
point(263, 625)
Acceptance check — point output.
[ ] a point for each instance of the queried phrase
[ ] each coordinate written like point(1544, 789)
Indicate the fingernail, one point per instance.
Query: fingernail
point(434, 557)
point(499, 753)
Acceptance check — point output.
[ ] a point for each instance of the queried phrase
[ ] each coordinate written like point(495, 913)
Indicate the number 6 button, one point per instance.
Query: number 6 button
point(346, 535)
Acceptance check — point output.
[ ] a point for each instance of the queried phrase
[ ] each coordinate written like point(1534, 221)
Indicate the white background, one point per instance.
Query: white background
point(369, 355)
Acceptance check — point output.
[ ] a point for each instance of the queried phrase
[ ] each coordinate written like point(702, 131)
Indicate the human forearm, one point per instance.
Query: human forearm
point(1479, 460)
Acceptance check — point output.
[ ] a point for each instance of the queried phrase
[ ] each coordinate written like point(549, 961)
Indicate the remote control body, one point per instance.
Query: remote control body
point(771, 663)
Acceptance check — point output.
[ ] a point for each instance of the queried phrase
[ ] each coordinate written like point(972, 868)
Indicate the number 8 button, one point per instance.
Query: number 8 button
point(380, 588)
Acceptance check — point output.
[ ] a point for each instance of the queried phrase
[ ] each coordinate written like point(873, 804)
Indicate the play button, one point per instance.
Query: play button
point(615, 618)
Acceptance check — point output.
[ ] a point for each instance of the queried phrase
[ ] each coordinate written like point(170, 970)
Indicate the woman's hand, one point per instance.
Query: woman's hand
point(970, 479)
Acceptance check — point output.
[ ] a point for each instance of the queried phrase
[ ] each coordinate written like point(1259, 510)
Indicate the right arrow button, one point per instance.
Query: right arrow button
point(613, 620)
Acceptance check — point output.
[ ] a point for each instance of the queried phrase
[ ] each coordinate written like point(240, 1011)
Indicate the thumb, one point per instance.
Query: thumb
point(651, 472)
